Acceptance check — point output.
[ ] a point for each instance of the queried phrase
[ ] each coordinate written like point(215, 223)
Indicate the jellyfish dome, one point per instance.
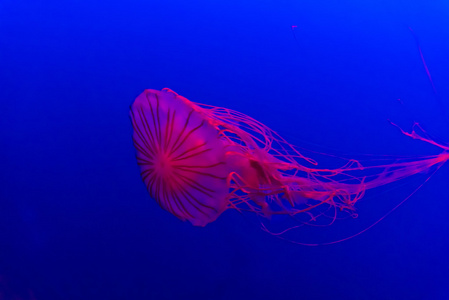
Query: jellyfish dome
point(199, 160)
point(181, 155)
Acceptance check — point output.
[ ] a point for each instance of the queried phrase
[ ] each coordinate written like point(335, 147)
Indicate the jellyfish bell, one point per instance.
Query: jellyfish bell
point(199, 160)
point(181, 156)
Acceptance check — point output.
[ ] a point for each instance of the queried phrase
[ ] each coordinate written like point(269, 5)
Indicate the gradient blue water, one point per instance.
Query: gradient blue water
point(76, 221)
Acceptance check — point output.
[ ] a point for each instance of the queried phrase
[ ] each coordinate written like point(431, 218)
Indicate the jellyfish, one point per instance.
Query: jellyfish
point(198, 160)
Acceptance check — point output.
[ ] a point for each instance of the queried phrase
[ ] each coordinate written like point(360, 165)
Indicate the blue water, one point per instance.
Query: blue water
point(76, 222)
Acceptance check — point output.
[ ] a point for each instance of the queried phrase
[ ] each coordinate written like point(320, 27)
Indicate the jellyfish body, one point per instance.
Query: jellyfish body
point(181, 156)
point(198, 160)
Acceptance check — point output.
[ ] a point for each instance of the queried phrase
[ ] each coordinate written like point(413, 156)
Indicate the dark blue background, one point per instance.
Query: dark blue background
point(76, 221)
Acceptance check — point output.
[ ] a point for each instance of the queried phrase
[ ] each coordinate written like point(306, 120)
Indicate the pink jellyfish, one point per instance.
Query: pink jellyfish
point(199, 160)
